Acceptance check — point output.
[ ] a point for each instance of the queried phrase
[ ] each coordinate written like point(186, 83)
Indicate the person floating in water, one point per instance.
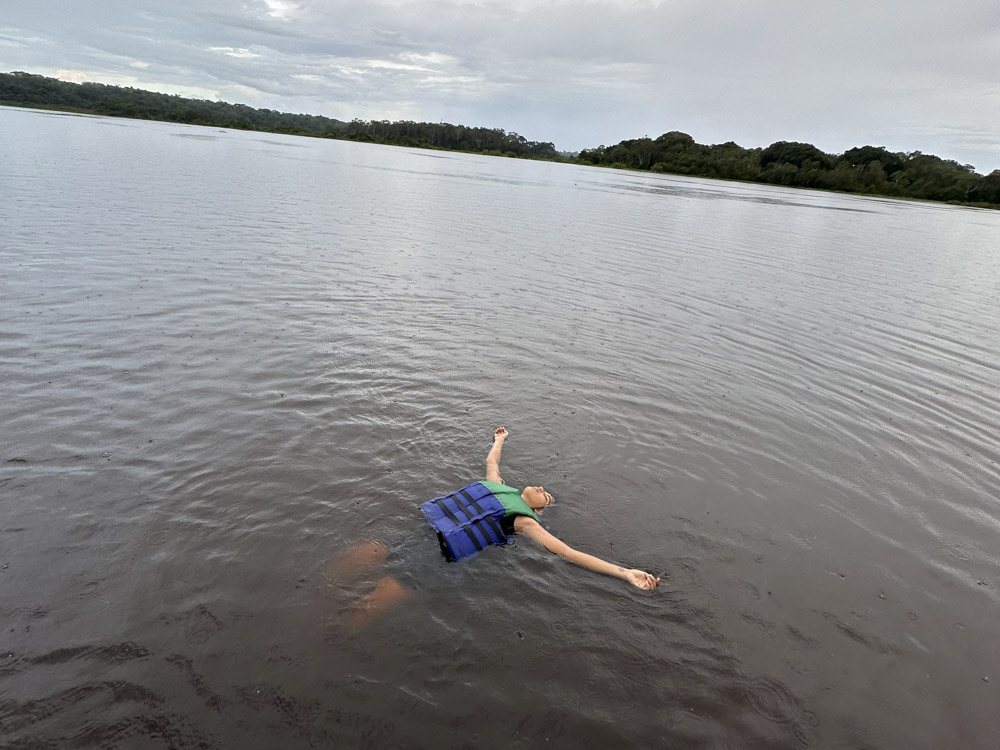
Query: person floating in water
point(467, 521)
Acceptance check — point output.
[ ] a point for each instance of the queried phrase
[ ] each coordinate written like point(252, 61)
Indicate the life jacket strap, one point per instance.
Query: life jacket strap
point(454, 519)
point(498, 534)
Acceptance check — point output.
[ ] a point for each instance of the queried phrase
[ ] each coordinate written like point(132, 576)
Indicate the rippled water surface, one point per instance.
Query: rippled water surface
point(228, 357)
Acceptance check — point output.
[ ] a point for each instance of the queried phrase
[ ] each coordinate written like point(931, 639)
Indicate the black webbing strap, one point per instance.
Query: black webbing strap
point(454, 519)
point(481, 525)
point(497, 532)
point(471, 501)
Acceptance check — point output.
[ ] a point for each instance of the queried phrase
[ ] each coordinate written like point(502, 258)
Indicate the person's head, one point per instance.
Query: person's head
point(536, 497)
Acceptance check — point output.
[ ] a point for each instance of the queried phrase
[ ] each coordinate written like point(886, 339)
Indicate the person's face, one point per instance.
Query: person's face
point(536, 497)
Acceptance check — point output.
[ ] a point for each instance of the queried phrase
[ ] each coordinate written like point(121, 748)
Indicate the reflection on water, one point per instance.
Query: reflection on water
point(731, 192)
point(225, 361)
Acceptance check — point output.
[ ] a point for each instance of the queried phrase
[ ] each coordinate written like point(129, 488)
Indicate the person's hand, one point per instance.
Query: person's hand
point(641, 579)
point(500, 433)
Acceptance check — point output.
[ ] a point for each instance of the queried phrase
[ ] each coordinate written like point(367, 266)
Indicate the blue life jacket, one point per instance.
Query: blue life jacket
point(468, 521)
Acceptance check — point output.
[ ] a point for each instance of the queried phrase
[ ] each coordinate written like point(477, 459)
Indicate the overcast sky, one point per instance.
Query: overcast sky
point(909, 75)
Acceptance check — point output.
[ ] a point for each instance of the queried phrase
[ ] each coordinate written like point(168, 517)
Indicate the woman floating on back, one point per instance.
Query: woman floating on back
point(470, 519)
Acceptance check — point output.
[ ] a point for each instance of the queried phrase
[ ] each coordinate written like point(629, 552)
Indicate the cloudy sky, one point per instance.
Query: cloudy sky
point(910, 75)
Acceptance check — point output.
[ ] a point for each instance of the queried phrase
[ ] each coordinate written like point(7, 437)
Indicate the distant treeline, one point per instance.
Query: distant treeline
point(868, 169)
point(453, 137)
point(26, 89)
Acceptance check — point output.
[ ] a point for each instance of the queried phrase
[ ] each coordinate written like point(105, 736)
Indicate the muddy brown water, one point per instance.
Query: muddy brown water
point(227, 357)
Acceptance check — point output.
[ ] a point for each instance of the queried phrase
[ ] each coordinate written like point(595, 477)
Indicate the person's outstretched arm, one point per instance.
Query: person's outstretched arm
point(535, 531)
point(493, 459)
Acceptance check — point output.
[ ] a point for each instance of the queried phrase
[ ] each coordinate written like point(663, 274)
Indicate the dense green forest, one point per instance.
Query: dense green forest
point(867, 169)
point(28, 90)
point(25, 89)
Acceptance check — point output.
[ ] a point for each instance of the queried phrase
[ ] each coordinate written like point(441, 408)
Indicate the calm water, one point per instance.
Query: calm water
point(227, 357)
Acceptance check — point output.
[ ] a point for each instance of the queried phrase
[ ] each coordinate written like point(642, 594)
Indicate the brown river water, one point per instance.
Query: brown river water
point(228, 357)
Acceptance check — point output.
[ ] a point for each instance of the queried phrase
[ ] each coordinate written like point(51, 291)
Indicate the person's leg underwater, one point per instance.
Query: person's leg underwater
point(387, 594)
point(356, 563)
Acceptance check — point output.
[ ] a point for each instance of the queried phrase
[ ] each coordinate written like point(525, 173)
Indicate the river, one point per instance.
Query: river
point(228, 357)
